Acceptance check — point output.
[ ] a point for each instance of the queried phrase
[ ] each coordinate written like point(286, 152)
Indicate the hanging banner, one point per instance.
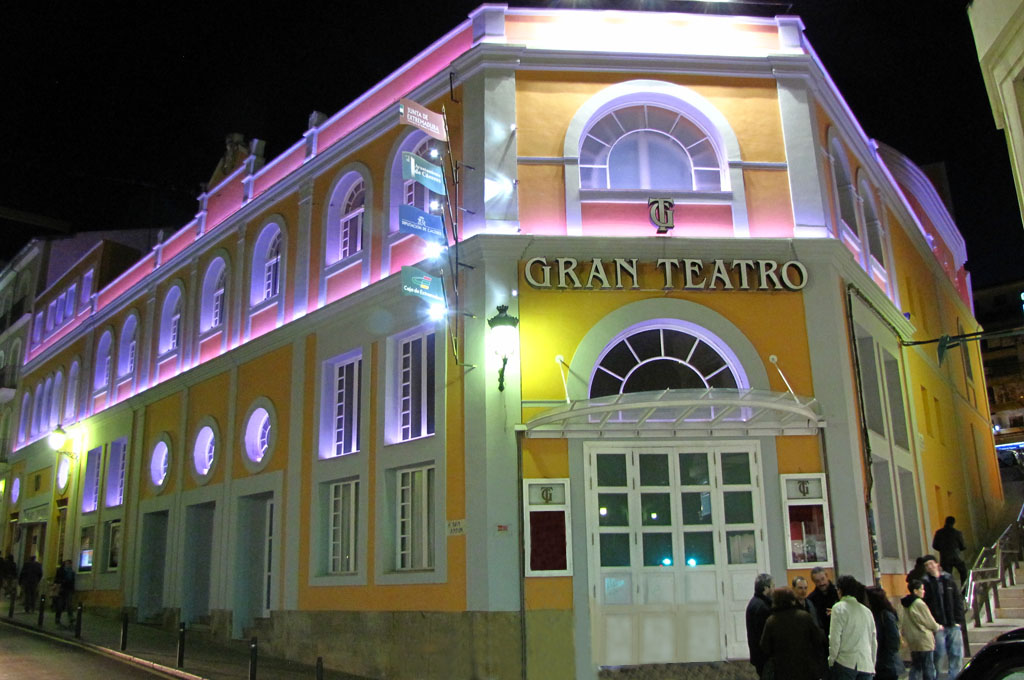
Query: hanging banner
point(418, 170)
point(418, 283)
point(412, 220)
point(422, 118)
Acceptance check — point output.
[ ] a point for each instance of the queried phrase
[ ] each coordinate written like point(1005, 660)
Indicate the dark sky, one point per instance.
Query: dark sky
point(111, 115)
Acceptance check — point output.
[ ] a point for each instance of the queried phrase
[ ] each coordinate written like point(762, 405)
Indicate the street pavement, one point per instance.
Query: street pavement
point(147, 647)
point(25, 654)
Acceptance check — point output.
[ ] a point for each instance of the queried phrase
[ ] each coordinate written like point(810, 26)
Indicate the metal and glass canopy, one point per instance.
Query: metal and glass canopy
point(714, 412)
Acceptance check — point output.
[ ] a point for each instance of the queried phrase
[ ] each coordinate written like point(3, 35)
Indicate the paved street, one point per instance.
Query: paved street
point(25, 654)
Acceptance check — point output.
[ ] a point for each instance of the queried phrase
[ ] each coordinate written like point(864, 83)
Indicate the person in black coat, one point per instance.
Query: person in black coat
point(947, 607)
point(65, 580)
point(31, 575)
point(888, 664)
point(758, 610)
point(823, 596)
point(950, 542)
point(792, 641)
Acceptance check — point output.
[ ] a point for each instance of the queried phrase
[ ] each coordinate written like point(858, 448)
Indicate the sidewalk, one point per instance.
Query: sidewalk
point(156, 648)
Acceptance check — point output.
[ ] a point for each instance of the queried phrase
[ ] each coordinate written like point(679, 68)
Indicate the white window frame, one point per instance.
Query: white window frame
point(116, 477)
point(530, 506)
point(342, 528)
point(91, 480)
point(788, 502)
point(404, 414)
point(415, 518)
point(272, 269)
point(330, 446)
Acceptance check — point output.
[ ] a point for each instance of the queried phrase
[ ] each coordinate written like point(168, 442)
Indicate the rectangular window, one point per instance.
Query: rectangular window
point(112, 545)
point(270, 277)
point(91, 483)
point(885, 509)
point(86, 288)
point(939, 422)
point(69, 302)
point(897, 413)
point(131, 358)
point(37, 328)
point(415, 514)
point(342, 527)
point(345, 392)
point(217, 312)
point(926, 408)
point(908, 501)
point(51, 315)
point(548, 527)
point(805, 502)
point(86, 547)
point(416, 386)
point(172, 342)
point(117, 461)
point(60, 309)
point(870, 384)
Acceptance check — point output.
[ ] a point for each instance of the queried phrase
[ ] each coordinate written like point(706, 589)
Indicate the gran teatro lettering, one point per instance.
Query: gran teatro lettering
point(569, 273)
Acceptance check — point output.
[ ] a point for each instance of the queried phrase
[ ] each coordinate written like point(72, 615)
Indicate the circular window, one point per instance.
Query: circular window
point(259, 435)
point(63, 473)
point(158, 464)
point(15, 490)
point(203, 455)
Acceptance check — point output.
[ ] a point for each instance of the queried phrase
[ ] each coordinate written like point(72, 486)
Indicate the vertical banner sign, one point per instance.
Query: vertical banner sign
point(422, 118)
point(418, 170)
point(418, 283)
point(412, 220)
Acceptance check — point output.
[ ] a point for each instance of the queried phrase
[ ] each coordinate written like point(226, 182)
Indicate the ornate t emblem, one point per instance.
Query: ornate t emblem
point(661, 213)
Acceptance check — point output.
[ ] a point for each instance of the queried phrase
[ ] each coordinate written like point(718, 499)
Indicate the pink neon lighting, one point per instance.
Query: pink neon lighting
point(632, 219)
point(281, 167)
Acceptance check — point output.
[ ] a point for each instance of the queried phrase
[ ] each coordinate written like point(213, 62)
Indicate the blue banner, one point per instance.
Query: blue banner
point(412, 220)
point(418, 170)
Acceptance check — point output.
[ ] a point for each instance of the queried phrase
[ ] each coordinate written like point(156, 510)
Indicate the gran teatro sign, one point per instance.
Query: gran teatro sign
point(569, 273)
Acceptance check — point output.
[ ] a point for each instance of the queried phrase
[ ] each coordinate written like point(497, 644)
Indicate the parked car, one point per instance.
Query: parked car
point(1000, 659)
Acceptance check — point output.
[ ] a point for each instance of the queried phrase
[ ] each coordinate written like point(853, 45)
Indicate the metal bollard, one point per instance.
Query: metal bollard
point(42, 610)
point(253, 644)
point(78, 621)
point(319, 668)
point(181, 645)
point(124, 631)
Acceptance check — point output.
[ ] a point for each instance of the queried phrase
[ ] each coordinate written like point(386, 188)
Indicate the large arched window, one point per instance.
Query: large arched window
point(665, 354)
point(170, 321)
point(101, 375)
point(37, 408)
point(127, 347)
point(643, 146)
point(56, 400)
point(267, 265)
point(872, 225)
point(25, 418)
point(345, 218)
point(845, 192)
point(214, 295)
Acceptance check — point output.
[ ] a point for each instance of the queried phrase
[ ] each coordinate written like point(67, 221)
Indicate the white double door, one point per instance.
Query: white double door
point(676, 538)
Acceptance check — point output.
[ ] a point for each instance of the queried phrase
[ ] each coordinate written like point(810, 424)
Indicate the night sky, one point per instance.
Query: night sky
point(111, 118)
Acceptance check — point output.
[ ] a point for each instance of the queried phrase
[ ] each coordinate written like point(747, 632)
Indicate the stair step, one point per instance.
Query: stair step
point(1009, 612)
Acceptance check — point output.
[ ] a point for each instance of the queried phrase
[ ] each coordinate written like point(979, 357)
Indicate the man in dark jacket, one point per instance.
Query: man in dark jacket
point(65, 580)
point(800, 590)
point(949, 542)
point(758, 610)
point(823, 596)
point(31, 575)
point(947, 606)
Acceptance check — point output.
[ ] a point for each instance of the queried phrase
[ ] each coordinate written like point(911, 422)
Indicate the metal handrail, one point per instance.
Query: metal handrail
point(994, 566)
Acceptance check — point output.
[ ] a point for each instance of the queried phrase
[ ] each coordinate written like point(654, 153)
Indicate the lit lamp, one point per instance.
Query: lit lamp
point(504, 339)
point(57, 438)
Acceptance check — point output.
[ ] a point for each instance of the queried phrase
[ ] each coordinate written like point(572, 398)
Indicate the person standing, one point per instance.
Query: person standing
point(947, 606)
point(758, 610)
point(823, 596)
point(800, 590)
point(65, 581)
point(950, 542)
point(919, 628)
point(888, 664)
point(31, 575)
point(852, 643)
point(792, 641)
point(9, 576)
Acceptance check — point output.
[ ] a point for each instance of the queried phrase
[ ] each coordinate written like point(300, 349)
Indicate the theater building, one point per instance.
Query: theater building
point(716, 276)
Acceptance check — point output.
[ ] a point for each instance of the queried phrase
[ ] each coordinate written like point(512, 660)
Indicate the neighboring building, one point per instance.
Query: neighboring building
point(998, 27)
point(1001, 308)
point(267, 437)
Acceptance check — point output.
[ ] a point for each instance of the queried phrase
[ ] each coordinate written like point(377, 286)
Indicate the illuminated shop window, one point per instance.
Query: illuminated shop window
point(415, 514)
point(343, 506)
point(805, 501)
point(339, 419)
point(415, 388)
point(91, 481)
point(87, 547)
point(656, 356)
point(649, 147)
point(214, 290)
point(548, 527)
point(345, 218)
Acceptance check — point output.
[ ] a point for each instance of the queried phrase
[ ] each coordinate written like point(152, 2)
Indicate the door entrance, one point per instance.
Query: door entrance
point(151, 565)
point(198, 562)
point(253, 573)
point(677, 538)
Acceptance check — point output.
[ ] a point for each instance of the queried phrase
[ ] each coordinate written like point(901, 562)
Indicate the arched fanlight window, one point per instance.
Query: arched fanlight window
point(214, 291)
point(665, 355)
point(345, 217)
point(170, 321)
point(272, 269)
point(642, 146)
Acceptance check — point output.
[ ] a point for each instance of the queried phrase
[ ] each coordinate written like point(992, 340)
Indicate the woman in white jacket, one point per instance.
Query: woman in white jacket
point(918, 627)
